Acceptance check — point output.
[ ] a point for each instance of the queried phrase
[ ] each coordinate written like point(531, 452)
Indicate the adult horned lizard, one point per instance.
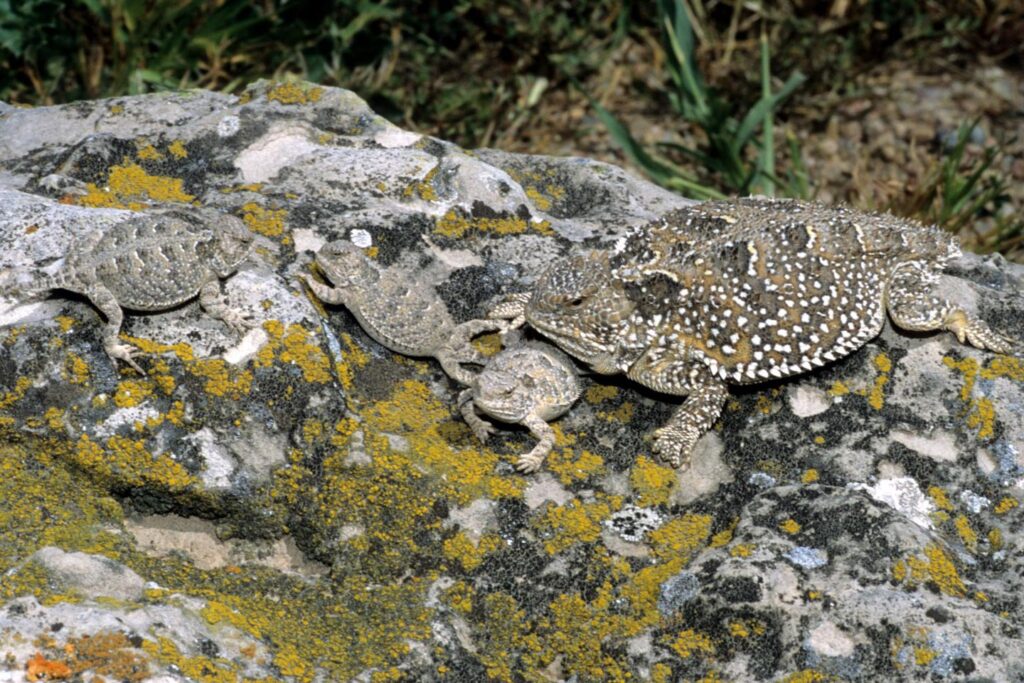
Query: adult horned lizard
point(397, 310)
point(153, 262)
point(529, 384)
point(743, 291)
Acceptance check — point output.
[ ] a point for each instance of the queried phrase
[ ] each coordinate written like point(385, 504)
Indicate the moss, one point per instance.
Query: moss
point(652, 482)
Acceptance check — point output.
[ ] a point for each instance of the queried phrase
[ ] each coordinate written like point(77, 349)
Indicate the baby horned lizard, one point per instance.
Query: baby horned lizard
point(399, 312)
point(737, 292)
point(529, 384)
point(154, 262)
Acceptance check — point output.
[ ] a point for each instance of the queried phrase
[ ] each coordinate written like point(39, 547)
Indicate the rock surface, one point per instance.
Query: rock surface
point(858, 523)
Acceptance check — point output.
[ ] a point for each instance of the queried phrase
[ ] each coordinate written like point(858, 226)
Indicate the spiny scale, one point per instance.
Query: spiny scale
point(762, 289)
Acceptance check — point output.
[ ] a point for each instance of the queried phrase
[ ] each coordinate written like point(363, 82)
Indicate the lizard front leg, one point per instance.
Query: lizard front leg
point(541, 430)
point(668, 372)
point(104, 300)
point(481, 428)
point(210, 300)
point(329, 295)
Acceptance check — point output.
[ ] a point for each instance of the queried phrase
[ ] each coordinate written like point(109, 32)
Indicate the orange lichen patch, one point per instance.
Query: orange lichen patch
point(652, 482)
point(268, 222)
point(129, 186)
point(457, 224)
point(40, 668)
point(689, 642)
point(809, 476)
point(570, 467)
point(177, 149)
point(295, 93)
point(935, 567)
point(1005, 505)
point(790, 526)
point(107, 654)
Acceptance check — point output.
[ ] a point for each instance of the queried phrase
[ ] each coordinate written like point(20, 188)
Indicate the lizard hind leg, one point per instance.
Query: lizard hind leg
point(912, 308)
point(104, 300)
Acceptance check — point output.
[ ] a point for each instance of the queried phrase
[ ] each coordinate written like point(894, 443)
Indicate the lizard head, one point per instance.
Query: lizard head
point(577, 304)
point(346, 265)
point(234, 242)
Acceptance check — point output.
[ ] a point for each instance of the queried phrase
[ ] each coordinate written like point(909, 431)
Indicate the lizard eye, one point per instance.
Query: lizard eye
point(575, 302)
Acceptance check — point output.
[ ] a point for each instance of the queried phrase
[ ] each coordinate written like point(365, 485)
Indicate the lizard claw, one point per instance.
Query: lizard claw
point(125, 352)
point(529, 463)
point(674, 445)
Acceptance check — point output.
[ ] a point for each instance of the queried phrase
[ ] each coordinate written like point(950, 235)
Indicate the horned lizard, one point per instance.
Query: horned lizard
point(529, 384)
point(742, 291)
point(153, 262)
point(397, 310)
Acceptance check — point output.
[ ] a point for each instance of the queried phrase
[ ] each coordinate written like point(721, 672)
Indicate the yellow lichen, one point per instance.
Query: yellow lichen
point(462, 549)
point(935, 567)
point(76, 370)
point(65, 322)
point(876, 397)
point(268, 222)
point(652, 482)
point(132, 392)
point(838, 389)
point(456, 224)
point(968, 535)
point(790, 526)
point(570, 467)
point(130, 186)
point(1005, 505)
point(809, 476)
point(681, 536)
point(147, 152)
point(572, 523)
point(940, 498)
point(689, 642)
point(295, 93)
point(177, 149)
